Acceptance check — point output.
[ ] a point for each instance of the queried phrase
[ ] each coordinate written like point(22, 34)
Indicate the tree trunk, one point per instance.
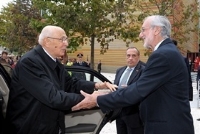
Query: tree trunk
point(92, 51)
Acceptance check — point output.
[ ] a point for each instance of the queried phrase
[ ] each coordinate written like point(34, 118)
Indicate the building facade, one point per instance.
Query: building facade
point(115, 55)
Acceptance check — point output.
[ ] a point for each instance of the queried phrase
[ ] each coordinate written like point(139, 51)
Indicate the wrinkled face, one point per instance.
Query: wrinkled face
point(132, 57)
point(57, 43)
point(147, 34)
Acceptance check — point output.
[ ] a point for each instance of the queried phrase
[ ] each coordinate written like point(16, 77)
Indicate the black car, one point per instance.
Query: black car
point(89, 121)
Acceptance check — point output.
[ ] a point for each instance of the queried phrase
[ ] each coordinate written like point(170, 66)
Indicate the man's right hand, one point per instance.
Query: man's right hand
point(89, 101)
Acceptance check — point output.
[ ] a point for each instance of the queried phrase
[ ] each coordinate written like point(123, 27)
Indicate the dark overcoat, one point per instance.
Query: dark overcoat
point(38, 98)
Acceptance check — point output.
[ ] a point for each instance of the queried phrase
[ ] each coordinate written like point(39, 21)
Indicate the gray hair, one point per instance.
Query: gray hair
point(47, 31)
point(163, 22)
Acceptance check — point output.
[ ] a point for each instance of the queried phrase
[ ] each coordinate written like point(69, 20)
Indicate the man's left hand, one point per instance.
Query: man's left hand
point(89, 101)
point(106, 85)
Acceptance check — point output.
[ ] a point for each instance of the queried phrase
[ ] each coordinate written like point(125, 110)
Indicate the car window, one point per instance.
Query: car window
point(89, 75)
point(89, 121)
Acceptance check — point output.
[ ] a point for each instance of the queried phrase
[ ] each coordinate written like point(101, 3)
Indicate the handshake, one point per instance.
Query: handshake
point(90, 100)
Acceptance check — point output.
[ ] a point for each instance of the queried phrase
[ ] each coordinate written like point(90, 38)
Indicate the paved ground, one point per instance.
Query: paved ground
point(110, 128)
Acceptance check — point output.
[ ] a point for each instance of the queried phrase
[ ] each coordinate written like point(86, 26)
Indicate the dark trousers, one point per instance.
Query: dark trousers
point(124, 128)
point(99, 70)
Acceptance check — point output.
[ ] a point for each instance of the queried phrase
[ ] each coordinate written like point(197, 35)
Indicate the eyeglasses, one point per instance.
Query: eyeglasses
point(63, 39)
point(144, 29)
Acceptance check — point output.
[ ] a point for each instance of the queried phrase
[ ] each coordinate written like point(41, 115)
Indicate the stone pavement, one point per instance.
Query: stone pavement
point(110, 128)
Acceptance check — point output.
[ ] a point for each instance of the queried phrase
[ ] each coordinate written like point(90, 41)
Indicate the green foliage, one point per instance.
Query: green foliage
point(184, 16)
point(83, 21)
point(87, 20)
point(18, 21)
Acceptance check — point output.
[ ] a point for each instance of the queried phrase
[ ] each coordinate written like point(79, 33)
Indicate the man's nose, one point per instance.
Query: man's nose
point(66, 43)
point(140, 35)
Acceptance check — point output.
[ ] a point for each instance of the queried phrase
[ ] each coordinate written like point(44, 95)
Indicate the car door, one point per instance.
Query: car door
point(89, 121)
point(4, 92)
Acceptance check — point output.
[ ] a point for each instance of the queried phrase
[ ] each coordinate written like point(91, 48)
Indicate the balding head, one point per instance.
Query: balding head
point(48, 31)
point(54, 40)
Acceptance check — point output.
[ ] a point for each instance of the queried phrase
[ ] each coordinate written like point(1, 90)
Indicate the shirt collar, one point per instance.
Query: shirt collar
point(156, 47)
point(130, 68)
point(49, 55)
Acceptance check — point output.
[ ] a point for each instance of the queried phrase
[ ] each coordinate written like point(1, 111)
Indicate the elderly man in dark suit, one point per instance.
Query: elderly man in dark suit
point(190, 89)
point(162, 88)
point(41, 90)
point(128, 121)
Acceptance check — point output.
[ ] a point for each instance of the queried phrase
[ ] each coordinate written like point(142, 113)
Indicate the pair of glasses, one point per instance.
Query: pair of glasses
point(144, 29)
point(63, 39)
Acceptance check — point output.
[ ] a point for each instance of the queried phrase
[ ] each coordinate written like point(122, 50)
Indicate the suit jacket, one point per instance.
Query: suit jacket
point(198, 77)
point(84, 64)
point(162, 90)
point(99, 66)
point(131, 113)
point(189, 79)
point(38, 97)
point(198, 73)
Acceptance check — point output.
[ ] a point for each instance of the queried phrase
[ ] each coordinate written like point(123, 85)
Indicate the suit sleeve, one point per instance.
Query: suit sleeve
point(190, 79)
point(34, 80)
point(74, 85)
point(116, 80)
point(149, 81)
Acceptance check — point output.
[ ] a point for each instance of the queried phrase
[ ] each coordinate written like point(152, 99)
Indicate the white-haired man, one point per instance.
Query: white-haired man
point(162, 88)
point(41, 90)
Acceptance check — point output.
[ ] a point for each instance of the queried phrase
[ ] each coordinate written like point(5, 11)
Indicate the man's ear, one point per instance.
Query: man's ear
point(46, 42)
point(157, 30)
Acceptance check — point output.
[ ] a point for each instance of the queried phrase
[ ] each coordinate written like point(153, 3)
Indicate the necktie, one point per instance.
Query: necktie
point(124, 79)
point(57, 69)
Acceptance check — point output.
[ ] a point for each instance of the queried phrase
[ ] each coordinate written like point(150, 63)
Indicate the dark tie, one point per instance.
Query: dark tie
point(57, 69)
point(124, 79)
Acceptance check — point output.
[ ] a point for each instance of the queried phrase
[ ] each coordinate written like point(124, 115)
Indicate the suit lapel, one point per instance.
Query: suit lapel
point(119, 75)
point(52, 64)
point(134, 74)
point(61, 68)
point(165, 42)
